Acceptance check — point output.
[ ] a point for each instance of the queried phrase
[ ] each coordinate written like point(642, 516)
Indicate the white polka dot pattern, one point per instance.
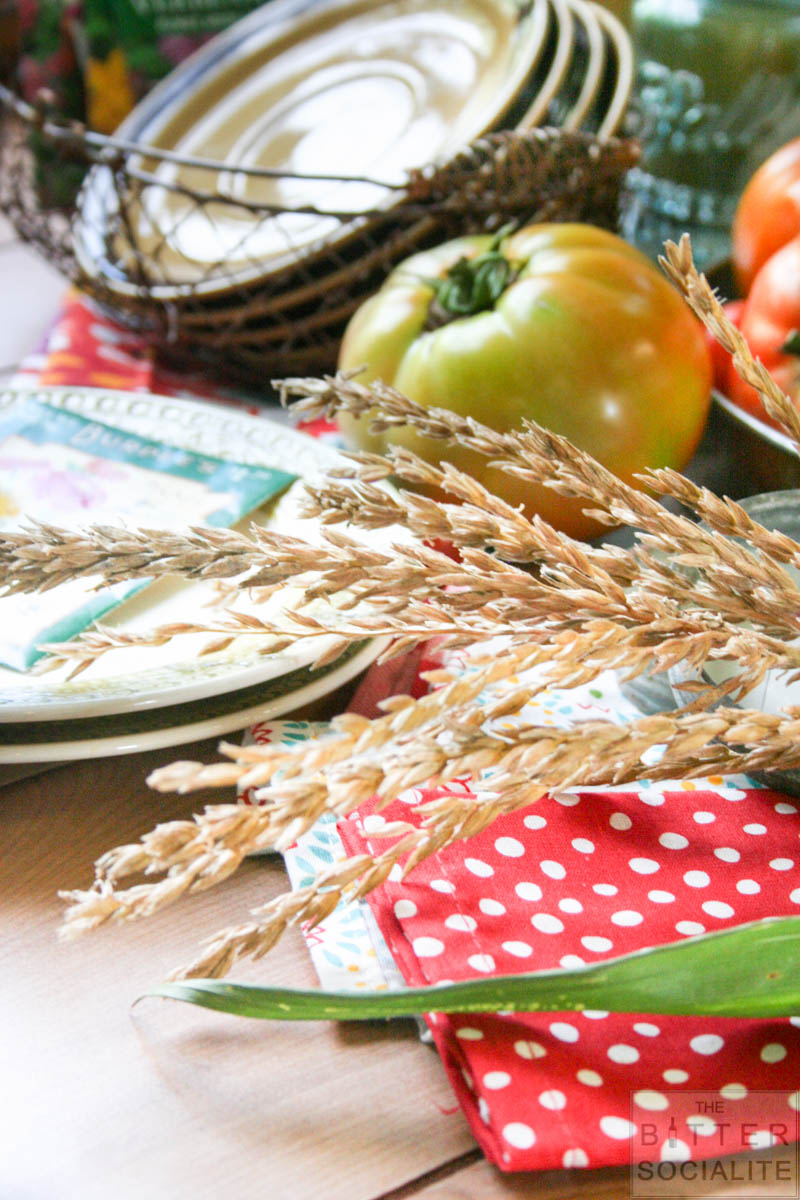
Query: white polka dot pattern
point(690, 928)
point(519, 1135)
point(590, 1078)
point(733, 1091)
point(569, 884)
point(644, 866)
point(461, 923)
point(617, 1127)
point(702, 1125)
point(528, 891)
point(564, 1032)
point(518, 949)
point(621, 1053)
point(727, 854)
point(509, 847)
point(673, 841)
point(675, 1150)
point(529, 1050)
point(547, 923)
point(477, 866)
point(706, 1043)
point(496, 1079)
point(675, 1075)
point(583, 845)
point(658, 896)
point(627, 917)
point(748, 887)
point(650, 1100)
point(597, 944)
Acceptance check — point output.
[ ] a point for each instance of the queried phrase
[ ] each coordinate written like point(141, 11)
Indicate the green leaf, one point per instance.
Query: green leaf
point(750, 970)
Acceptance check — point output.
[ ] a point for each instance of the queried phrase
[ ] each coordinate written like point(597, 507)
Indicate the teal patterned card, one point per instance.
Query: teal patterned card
point(64, 469)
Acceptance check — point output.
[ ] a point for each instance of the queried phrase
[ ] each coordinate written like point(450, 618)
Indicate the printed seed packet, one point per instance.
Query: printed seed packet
point(64, 469)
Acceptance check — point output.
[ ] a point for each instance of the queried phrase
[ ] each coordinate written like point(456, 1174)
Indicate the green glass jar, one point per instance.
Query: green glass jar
point(717, 90)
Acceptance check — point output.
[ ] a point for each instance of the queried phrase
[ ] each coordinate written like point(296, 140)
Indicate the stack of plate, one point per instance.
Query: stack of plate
point(136, 699)
point(258, 188)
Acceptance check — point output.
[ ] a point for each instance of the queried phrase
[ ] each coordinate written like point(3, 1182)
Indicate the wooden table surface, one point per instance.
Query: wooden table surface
point(101, 1098)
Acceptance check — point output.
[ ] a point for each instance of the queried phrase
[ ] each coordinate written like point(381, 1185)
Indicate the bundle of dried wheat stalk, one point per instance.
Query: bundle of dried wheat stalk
point(521, 596)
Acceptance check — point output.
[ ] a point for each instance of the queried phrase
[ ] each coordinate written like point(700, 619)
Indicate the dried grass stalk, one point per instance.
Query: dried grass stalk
point(530, 608)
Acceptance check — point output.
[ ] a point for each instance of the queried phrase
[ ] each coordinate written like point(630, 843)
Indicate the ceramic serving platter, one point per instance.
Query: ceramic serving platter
point(584, 77)
point(131, 682)
point(589, 65)
point(553, 67)
point(354, 88)
point(616, 91)
point(132, 733)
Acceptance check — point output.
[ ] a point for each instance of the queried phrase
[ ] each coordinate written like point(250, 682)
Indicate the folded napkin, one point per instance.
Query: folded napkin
point(576, 878)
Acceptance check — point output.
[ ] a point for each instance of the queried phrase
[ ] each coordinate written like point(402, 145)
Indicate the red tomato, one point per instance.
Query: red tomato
point(768, 213)
point(770, 322)
point(720, 359)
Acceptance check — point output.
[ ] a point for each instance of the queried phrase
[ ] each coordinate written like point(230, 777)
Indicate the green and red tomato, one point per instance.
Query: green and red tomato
point(564, 324)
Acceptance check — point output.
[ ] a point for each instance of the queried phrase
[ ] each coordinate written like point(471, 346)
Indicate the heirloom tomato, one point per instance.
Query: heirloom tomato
point(770, 323)
point(720, 358)
point(564, 324)
point(767, 215)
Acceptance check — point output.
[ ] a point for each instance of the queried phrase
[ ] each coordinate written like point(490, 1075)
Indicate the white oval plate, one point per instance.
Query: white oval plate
point(365, 89)
point(132, 679)
point(285, 695)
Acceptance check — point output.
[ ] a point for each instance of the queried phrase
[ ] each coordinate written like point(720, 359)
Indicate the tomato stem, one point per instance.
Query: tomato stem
point(471, 285)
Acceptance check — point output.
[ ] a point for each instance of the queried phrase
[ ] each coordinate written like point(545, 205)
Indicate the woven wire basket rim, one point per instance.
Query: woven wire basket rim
point(294, 318)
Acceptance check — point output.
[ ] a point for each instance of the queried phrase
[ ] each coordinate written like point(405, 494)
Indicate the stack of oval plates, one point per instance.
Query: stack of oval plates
point(259, 172)
point(142, 698)
point(302, 106)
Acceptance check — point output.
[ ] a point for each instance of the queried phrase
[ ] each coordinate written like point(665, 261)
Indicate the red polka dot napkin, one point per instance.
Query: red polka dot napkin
point(576, 879)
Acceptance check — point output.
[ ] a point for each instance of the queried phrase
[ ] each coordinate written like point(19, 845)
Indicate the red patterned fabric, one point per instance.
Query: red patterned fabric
point(575, 880)
point(85, 348)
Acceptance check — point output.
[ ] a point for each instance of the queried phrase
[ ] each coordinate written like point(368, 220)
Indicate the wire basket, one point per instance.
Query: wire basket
point(242, 319)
